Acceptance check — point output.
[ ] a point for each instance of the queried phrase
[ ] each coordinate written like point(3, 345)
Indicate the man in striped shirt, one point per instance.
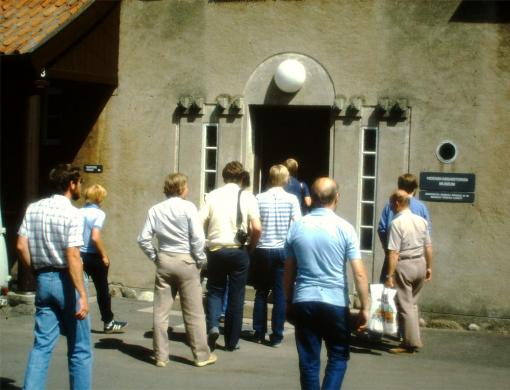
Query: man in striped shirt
point(277, 211)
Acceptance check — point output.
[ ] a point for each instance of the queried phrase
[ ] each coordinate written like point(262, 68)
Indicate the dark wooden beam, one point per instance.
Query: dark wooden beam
point(62, 41)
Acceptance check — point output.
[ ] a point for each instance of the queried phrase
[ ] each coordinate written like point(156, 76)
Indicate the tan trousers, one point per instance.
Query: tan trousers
point(410, 276)
point(178, 273)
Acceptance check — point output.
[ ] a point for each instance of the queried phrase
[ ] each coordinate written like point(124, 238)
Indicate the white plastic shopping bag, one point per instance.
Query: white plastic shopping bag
point(375, 322)
point(389, 309)
point(383, 311)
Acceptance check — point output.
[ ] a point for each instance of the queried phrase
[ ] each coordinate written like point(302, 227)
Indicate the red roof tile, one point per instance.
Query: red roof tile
point(26, 24)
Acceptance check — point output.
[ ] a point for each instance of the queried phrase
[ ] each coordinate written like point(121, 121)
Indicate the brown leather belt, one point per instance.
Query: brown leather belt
point(410, 257)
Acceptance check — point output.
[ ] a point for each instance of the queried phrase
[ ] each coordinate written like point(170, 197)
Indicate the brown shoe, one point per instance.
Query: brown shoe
point(399, 350)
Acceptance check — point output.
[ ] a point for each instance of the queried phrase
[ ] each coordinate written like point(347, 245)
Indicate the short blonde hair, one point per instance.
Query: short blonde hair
point(95, 194)
point(175, 184)
point(278, 175)
point(292, 165)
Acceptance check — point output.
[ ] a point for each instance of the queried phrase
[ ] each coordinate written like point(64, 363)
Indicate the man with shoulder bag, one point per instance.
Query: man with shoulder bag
point(227, 255)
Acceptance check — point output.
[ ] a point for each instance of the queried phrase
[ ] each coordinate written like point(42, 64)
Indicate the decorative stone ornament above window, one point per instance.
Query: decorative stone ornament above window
point(185, 102)
point(191, 105)
point(400, 107)
point(290, 76)
point(384, 106)
point(354, 107)
point(348, 108)
point(392, 108)
point(223, 101)
point(237, 104)
point(339, 104)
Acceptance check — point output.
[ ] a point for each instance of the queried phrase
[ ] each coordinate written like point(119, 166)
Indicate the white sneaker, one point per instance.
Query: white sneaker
point(212, 359)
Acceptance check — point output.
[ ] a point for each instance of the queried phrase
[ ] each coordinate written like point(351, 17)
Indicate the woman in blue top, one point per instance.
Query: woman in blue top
point(95, 260)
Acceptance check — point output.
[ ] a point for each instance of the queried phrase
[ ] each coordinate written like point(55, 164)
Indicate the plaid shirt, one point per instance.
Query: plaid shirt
point(51, 225)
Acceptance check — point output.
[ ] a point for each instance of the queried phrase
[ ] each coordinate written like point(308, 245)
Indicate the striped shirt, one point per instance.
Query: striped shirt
point(51, 225)
point(277, 210)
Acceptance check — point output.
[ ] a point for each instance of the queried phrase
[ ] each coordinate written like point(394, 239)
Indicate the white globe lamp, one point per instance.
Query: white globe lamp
point(290, 76)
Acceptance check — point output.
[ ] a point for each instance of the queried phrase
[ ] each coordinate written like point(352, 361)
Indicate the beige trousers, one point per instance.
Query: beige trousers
point(410, 276)
point(178, 273)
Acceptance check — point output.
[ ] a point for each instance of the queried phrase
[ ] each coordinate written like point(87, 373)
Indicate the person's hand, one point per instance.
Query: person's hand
point(83, 310)
point(362, 321)
point(389, 282)
point(428, 275)
point(106, 261)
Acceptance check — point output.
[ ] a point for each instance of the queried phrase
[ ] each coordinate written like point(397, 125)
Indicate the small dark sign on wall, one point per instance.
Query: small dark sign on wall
point(447, 187)
point(93, 168)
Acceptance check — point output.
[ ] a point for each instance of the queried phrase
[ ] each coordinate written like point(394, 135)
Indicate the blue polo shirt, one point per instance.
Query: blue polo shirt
point(93, 217)
point(322, 243)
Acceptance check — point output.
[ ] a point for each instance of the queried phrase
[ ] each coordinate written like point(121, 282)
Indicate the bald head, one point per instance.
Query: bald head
point(324, 192)
point(399, 200)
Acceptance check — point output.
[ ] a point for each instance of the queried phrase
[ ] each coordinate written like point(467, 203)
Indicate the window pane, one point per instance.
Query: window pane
point(210, 159)
point(367, 214)
point(212, 136)
point(368, 189)
point(210, 181)
point(369, 165)
point(366, 239)
point(369, 144)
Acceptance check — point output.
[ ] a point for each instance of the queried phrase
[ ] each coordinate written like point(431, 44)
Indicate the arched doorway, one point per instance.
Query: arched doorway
point(282, 125)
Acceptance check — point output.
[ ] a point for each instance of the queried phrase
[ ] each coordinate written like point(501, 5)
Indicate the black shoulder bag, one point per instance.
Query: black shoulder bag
point(241, 235)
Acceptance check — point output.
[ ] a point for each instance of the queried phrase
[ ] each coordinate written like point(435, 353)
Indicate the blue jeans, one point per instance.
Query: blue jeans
point(232, 263)
point(317, 321)
point(225, 301)
point(268, 268)
point(56, 303)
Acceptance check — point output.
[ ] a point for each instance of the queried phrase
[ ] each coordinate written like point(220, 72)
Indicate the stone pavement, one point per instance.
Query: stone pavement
point(449, 360)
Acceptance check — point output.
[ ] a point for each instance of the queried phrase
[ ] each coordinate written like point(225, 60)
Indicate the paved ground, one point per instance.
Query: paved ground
point(450, 360)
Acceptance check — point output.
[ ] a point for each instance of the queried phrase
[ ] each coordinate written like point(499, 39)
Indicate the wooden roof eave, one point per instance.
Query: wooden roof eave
point(46, 53)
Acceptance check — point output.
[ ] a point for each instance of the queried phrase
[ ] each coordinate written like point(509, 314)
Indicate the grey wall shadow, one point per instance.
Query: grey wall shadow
point(275, 96)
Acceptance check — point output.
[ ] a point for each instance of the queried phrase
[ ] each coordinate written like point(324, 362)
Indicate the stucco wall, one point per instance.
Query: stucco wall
point(456, 76)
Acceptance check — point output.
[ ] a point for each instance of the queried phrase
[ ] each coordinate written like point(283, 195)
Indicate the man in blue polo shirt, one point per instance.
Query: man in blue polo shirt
point(408, 183)
point(318, 247)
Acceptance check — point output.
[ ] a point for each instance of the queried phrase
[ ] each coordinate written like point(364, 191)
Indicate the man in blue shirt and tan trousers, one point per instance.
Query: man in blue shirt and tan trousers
point(318, 248)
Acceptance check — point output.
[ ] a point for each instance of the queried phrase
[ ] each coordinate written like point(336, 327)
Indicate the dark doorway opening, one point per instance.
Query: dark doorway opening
point(300, 132)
